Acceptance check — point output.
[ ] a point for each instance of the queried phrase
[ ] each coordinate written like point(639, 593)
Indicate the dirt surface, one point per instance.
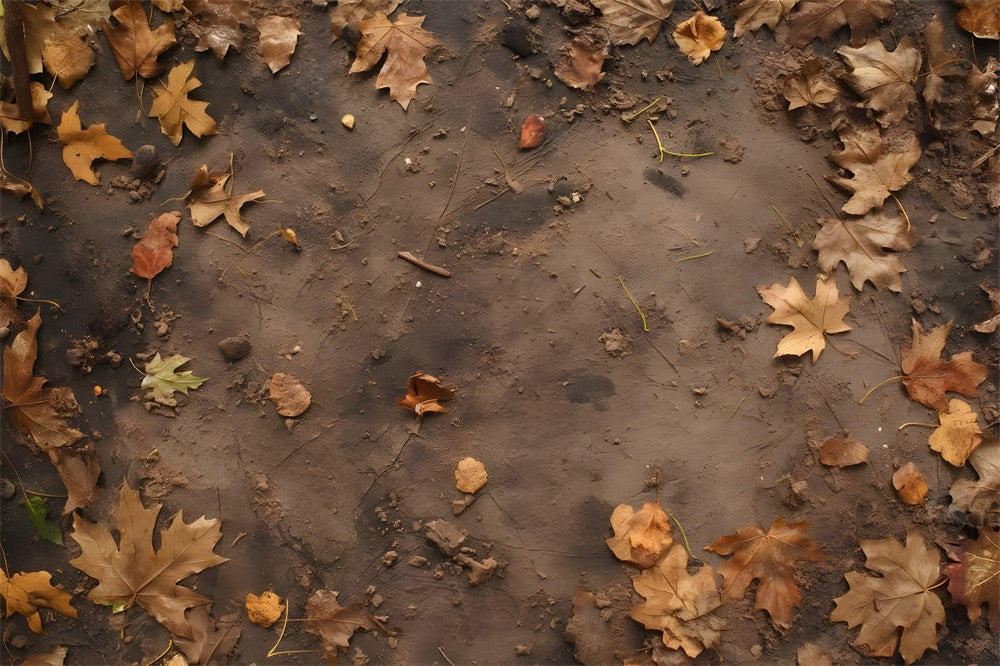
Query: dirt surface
point(571, 405)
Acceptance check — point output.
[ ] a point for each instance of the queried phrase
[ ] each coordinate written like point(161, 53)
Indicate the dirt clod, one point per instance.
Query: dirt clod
point(236, 347)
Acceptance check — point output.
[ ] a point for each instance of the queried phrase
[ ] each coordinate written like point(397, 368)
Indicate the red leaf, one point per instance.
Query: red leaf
point(156, 249)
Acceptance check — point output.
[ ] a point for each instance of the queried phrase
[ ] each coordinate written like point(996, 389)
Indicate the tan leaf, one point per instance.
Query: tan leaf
point(155, 251)
point(335, 624)
point(698, 36)
point(264, 610)
point(352, 12)
point(884, 79)
point(278, 37)
point(406, 44)
point(211, 196)
point(811, 320)
point(878, 169)
point(910, 485)
point(811, 654)
point(169, 6)
point(79, 470)
point(940, 63)
point(630, 21)
point(175, 109)
point(39, 20)
point(640, 536)
point(25, 593)
point(752, 14)
point(843, 452)
point(980, 17)
point(423, 393)
point(82, 146)
point(862, 245)
point(218, 24)
point(10, 117)
point(974, 578)
point(67, 57)
point(959, 433)
point(992, 320)
point(821, 19)
point(12, 283)
point(135, 45)
point(21, 188)
point(289, 395)
point(928, 378)
point(810, 86)
point(899, 609)
point(470, 475)
point(981, 497)
point(982, 89)
point(582, 60)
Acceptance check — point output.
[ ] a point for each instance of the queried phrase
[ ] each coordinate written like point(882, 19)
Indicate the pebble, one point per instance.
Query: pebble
point(235, 347)
point(143, 161)
point(7, 489)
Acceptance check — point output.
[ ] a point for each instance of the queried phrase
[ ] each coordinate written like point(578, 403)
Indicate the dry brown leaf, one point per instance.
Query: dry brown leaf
point(940, 63)
point(289, 395)
point(218, 24)
point(899, 609)
point(592, 637)
point(155, 251)
point(863, 245)
point(981, 497)
point(169, 6)
point(335, 624)
point(54, 657)
point(12, 283)
point(884, 79)
point(25, 593)
point(10, 117)
point(470, 475)
point(810, 86)
point(406, 44)
point(21, 188)
point(981, 85)
point(878, 169)
point(278, 38)
point(910, 484)
point(352, 12)
point(264, 610)
point(423, 393)
point(821, 19)
point(82, 146)
point(630, 21)
point(39, 21)
point(752, 14)
point(211, 196)
point(928, 378)
point(53, 46)
point(640, 536)
point(974, 578)
point(79, 470)
point(582, 60)
point(958, 435)
point(811, 654)
point(843, 452)
point(175, 109)
point(698, 36)
point(811, 320)
point(980, 17)
point(768, 557)
point(135, 45)
point(992, 320)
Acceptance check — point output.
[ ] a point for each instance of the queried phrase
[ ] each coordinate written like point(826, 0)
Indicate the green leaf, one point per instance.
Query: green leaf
point(162, 380)
point(38, 512)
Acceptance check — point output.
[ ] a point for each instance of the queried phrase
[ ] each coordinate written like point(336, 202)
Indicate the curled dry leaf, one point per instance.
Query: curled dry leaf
point(752, 14)
point(927, 378)
point(470, 475)
point(335, 624)
point(25, 593)
point(423, 393)
point(162, 379)
point(10, 117)
point(211, 196)
point(278, 38)
point(218, 24)
point(843, 452)
point(810, 86)
point(265, 609)
point(640, 536)
point(811, 319)
point(821, 19)
point(980, 497)
point(406, 43)
point(155, 251)
point(135, 45)
point(910, 485)
point(974, 578)
point(982, 89)
point(82, 146)
point(980, 17)
point(582, 59)
point(175, 109)
point(12, 283)
point(992, 320)
point(288, 393)
point(863, 244)
point(351, 12)
point(533, 131)
point(21, 188)
point(630, 21)
point(884, 79)
point(879, 169)
point(698, 36)
point(958, 435)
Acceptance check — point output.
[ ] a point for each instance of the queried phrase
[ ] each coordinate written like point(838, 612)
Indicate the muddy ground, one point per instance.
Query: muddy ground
point(567, 425)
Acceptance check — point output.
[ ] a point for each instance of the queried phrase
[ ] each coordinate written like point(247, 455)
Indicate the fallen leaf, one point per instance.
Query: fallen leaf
point(265, 609)
point(470, 475)
point(12, 283)
point(927, 378)
point(843, 452)
point(910, 485)
point(211, 196)
point(335, 624)
point(992, 320)
point(899, 609)
point(278, 38)
point(884, 79)
point(423, 393)
point(210, 640)
point(811, 319)
point(821, 19)
point(130, 571)
point(406, 44)
point(169, 6)
point(162, 380)
point(974, 578)
point(582, 60)
point(863, 244)
point(155, 251)
point(50, 45)
point(54, 657)
point(533, 131)
point(630, 21)
point(768, 557)
point(940, 64)
point(218, 24)
point(679, 604)
point(352, 12)
point(21, 188)
point(810, 86)
point(981, 85)
point(38, 20)
point(878, 170)
point(958, 435)
point(38, 514)
point(981, 497)
point(752, 14)
point(592, 637)
point(25, 593)
point(980, 17)
point(698, 36)
point(289, 395)
point(135, 45)
point(10, 117)
point(640, 536)
point(175, 109)
point(82, 146)
point(811, 654)
point(79, 470)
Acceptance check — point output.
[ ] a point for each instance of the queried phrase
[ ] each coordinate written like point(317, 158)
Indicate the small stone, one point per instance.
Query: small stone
point(533, 12)
point(393, 642)
point(143, 161)
point(444, 535)
point(417, 561)
point(390, 558)
point(533, 131)
point(7, 489)
point(348, 121)
point(522, 650)
point(377, 600)
point(235, 347)
point(756, 650)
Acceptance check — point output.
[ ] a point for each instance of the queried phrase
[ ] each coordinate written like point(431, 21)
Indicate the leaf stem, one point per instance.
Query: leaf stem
point(695, 256)
point(880, 384)
point(641, 111)
point(901, 210)
point(645, 326)
point(169, 645)
point(914, 423)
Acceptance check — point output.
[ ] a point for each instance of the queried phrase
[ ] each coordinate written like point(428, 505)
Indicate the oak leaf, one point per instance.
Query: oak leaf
point(12, 283)
point(927, 378)
point(974, 578)
point(981, 497)
point(910, 485)
point(218, 24)
point(811, 319)
point(155, 251)
point(843, 452)
point(810, 86)
point(992, 320)
point(879, 170)
point(10, 117)
point(582, 60)
point(980, 17)
point(768, 557)
point(211, 195)
point(752, 14)
point(679, 604)
point(25, 593)
point(130, 571)
point(82, 146)
point(470, 475)
point(278, 38)
point(958, 435)
point(884, 79)
point(821, 19)
point(640, 536)
point(289, 395)
point(698, 36)
point(175, 109)
point(422, 394)
point(162, 379)
point(630, 21)
point(862, 244)
point(898, 609)
point(351, 12)
point(264, 610)
point(135, 45)
point(335, 624)
point(405, 44)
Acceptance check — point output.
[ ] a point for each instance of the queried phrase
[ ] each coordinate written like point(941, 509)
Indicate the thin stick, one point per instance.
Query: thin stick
point(901, 210)
point(881, 383)
point(441, 650)
point(444, 272)
point(783, 219)
point(740, 404)
point(645, 326)
point(658, 143)
point(641, 111)
point(823, 194)
point(695, 256)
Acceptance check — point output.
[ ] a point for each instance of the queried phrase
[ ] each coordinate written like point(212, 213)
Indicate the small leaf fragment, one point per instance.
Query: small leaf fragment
point(278, 37)
point(155, 250)
point(289, 395)
point(470, 475)
point(82, 146)
point(980, 497)
point(959, 433)
point(211, 195)
point(38, 513)
point(176, 110)
point(335, 624)
point(810, 86)
point(698, 36)
point(423, 393)
point(843, 452)
point(910, 484)
point(640, 537)
point(264, 610)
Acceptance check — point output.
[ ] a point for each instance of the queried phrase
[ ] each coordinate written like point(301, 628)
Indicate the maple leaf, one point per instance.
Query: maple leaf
point(878, 172)
point(289, 395)
point(899, 609)
point(810, 86)
point(910, 485)
point(927, 378)
point(698, 36)
point(980, 497)
point(974, 579)
point(992, 320)
point(958, 435)
point(10, 117)
point(135, 45)
point(25, 593)
point(335, 624)
point(630, 21)
point(640, 536)
point(350, 12)
point(278, 37)
point(884, 79)
point(155, 251)
point(769, 558)
point(264, 610)
point(423, 393)
point(175, 109)
point(980, 17)
point(821, 19)
point(843, 452)
point(861, 244)
point(406, 43)
point(130, 571)
point(162, 380)
point(811, 319)
point(217, 24)
point(82, 146)
point(679, 604)
point(752, 14)
point(582, 60)
point(211, 196)
point(12, 283)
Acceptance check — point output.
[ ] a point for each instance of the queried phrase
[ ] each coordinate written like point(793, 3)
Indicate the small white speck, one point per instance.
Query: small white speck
point(880, 429)
point(419, 284)
point(885, 446)
point(761, 478)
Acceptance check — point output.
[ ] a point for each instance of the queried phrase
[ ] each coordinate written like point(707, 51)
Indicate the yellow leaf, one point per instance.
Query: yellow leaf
point(958, 435)
point(265, 609)
point(640, 536)
point(810, 319)
point(25, 593)
point(698, 36)
point(175, 109)
point(82, 146)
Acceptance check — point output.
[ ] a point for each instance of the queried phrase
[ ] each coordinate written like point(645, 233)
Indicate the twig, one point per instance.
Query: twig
point(695, 256)
point(987, 155)
point(901, 210)
point(444, 272)
point(165, 651)
point(641, 111)
point(441, 650)
point(645, 326)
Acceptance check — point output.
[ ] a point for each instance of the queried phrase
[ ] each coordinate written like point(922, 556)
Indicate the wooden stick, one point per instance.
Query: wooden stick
point(443, 272)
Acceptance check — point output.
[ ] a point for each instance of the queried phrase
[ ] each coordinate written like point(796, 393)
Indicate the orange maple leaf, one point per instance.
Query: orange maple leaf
point(82, 146)
point(927, 378)
point(423, 393)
